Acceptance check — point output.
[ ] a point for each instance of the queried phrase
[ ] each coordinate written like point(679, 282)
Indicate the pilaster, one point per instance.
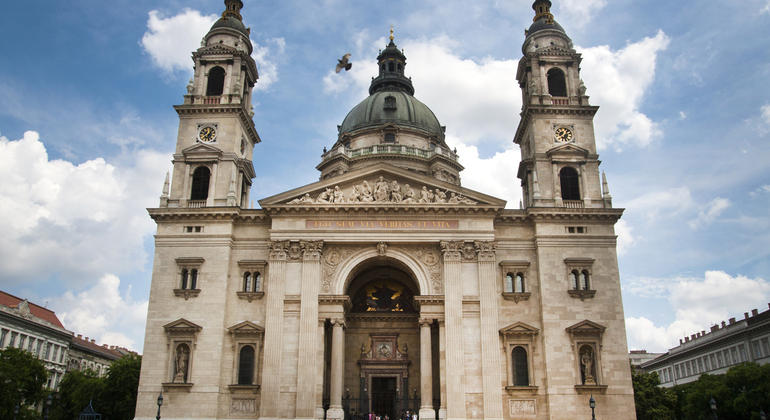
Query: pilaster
point(426, 370)
point(308, 329)
point(338, 366)
point(271, 373)
point(490, 339)
point(455, 353)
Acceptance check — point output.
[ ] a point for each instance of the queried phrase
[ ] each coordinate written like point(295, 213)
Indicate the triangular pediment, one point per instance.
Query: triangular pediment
point(586, 326)
point(375, 186)
point(568, 150)
point(519, 328)
point(246, 327)
point(201, 149)
point(216, 49)
point(182, 325)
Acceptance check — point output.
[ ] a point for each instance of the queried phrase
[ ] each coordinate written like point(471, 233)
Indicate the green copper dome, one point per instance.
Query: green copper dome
point(403, 110)
point(230, 23)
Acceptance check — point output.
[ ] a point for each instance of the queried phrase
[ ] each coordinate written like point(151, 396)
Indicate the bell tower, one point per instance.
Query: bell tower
point(559, 164)
point(213, 157)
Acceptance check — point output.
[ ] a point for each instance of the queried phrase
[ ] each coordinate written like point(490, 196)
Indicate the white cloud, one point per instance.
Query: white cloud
point(618, 80)
point(170, 40)
point(764, 125)
point(670, 202)
point(102, 313)
point(625, 238)
point(682, 115)
point(77, 221)
point(765, 189)
point(698, 302)
point(765, 9)
point(580, 12)
point(495, 176)
point(713, 210)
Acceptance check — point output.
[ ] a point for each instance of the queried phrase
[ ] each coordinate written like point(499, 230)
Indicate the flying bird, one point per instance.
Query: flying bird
point(344, 63)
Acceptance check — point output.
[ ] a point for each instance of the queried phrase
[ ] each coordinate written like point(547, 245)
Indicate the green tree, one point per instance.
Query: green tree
point(652, 401)
point(121, 388)
point(22, 380)
point(76, 390)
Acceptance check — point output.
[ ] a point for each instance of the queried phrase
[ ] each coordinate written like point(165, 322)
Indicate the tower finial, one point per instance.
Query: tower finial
point(543, 11)
point(391, 32)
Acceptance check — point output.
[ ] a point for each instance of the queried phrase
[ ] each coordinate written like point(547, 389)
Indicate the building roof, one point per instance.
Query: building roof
point(91, 346)
point(38, 311)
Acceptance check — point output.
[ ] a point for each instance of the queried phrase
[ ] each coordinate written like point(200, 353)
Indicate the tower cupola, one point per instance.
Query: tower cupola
point(233, 9)
point(392, 62)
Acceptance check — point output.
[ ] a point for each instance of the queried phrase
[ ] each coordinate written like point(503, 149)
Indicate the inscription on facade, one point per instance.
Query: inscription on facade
point(382, 224)
point(519, 407)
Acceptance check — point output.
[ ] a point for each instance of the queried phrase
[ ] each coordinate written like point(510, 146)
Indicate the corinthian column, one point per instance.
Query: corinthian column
point(308, 329)
point(426, 371)
point(490, 353)
point(271, 372)
point(455, 353)
point(338, 367)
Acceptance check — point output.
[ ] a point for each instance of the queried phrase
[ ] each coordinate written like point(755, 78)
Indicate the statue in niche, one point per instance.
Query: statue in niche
point(408, 194)
point(587, 362)
point(181, 361)
point(532, 87)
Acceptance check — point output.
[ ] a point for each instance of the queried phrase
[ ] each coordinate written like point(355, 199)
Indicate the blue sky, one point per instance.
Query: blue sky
point(87, 129)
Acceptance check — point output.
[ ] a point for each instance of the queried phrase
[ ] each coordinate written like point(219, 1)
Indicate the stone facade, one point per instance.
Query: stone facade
point(386, 286)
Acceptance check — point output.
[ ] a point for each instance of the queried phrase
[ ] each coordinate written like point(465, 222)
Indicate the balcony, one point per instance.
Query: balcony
point(212, 100)
point(389, 149)
point(196, 204)
point(573, 204)
point(559, 101)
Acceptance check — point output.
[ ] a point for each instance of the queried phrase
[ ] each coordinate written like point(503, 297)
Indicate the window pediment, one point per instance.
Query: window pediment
point(586, 328)
point(182, 326)
point(519, 328)
point(246, 328)
point(567, 151)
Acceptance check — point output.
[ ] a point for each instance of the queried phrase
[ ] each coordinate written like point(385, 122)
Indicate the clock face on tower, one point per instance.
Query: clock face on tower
point(207, 134)
point(563, 135)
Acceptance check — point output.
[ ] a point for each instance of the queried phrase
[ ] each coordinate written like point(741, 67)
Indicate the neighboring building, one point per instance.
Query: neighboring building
point(86, 354)
point(747, 340)
point(638, 357)
point(386, 279)
point(36, 329)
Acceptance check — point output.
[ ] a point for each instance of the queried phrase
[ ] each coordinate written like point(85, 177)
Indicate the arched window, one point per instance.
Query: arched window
point(391, 66)
point(520, 366)
point(200, 184)
point(246, 366)
point(519, 285)
point(557, 85)
point(247, 282)
point(216, 82)
point(509, 283)
point(584, 284)
point(193, 279)
point(570, 185)
point(573, 277)
point(257, 281)
point(400, 66)
point(185, 278)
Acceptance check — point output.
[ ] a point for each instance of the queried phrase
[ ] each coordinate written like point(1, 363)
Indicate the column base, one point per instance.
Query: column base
point(319, 412)
point(442, 413)
point(427, 413)
point(335, 412)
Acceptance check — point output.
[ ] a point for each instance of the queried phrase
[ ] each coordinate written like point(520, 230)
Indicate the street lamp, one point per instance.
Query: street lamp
point(48, 402)
point(15, 411)
point(762, 415)
point(592, 403)
point(160, 402)
point(713, 405)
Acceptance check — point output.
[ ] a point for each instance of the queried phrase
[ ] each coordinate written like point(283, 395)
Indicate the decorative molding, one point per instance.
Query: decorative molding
point(585, 389)
point(582, 294)
point(250, 296)
point(294, 251)
point(468, 252)
point(234, 388)
point(517, 297)
point(186, 293)
point(171, 386)
point(521, 389)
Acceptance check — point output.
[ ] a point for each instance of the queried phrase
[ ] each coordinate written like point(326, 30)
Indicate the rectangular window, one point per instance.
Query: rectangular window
point(55, 353)
point(22, 340)
point(765, 346)
point(3, 333)
point(61, 355)
point(669, 375)
point(687, 367)
point(706, 363)
point(713, 361)
point(31, 344)
point(39, 346)
point(676, 371)
point(742, 352)
point(734, 356)
point(700, 365)
point(757, 350)
point(719, 359)
point(48, 354)
point(12, 343)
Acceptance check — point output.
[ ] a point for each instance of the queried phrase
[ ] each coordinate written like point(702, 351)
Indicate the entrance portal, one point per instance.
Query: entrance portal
point(384, 397)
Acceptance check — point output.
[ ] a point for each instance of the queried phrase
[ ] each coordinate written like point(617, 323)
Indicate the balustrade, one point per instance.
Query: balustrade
point(393, 149)
point(573, 204)
point(196, 204)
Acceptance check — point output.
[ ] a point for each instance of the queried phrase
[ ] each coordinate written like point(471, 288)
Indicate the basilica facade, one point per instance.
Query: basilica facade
point(386, 286)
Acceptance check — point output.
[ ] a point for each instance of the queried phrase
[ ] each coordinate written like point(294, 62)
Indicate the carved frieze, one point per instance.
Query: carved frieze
point(383, 191)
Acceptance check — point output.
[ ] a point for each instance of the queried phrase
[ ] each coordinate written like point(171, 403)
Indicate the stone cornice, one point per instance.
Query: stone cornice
point(370, 209)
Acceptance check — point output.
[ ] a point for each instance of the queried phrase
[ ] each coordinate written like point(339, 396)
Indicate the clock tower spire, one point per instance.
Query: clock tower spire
point(213, 158)
point(559, 164)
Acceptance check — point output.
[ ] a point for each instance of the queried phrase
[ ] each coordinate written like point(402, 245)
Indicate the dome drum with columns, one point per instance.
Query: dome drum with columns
point(385, 286)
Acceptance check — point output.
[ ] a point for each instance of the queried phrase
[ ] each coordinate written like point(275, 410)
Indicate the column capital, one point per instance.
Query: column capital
point(425, 322)
point(486, 250)
point(451, 250)
point(278, 250)
point(311, 250)
point(441, 323)
point(338, 321)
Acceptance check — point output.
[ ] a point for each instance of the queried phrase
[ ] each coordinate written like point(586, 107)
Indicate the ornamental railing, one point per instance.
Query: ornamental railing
point(196, 204)
point(390, 149)
point(573, 204)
